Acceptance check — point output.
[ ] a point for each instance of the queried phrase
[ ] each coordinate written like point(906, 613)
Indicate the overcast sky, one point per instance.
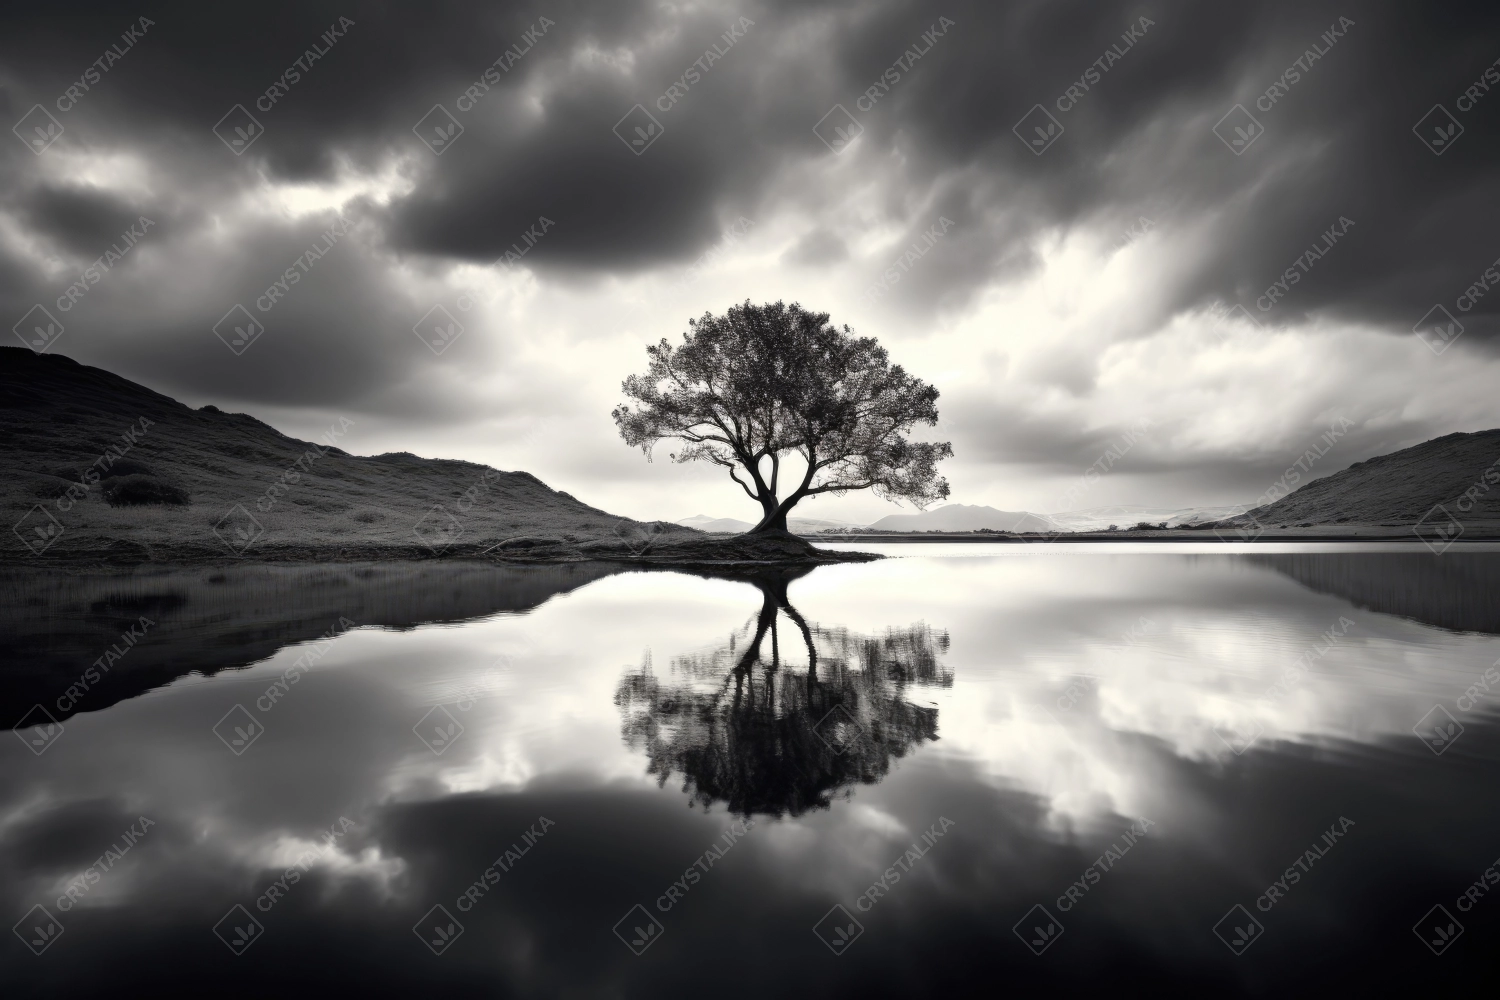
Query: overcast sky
point(1072, 217)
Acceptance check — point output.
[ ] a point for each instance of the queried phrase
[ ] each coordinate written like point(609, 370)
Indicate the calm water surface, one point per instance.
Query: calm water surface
point(878, 779)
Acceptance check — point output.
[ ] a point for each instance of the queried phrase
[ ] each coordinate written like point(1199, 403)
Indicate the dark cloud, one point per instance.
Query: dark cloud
point(739, 141)
point(817, 247)
point(80, 221)
point(1339, 143)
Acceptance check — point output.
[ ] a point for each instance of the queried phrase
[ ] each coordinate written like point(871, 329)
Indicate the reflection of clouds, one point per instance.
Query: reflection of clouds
point(549, 709)
point(1224, 637)
point(1368, 685)
point(500, 768)
point(335, 860)
point(1024, 624)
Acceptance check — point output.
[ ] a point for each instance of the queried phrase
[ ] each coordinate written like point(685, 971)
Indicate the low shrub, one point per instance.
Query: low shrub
point(127, 467)
point(137, 489)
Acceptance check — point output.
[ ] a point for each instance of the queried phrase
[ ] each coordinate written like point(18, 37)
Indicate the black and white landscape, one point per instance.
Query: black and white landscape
point(548, 498)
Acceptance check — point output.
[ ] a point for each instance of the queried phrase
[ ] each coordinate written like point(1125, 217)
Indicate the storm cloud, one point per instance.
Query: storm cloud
point(1071, 216)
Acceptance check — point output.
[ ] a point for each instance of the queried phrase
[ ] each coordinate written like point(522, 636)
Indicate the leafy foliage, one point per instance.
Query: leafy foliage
point(748, 389)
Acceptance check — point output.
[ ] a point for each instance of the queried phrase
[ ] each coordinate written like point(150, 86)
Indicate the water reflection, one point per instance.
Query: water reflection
point(1079, 691)
point(1453, 591)
point(70, 640)
point(754, 726)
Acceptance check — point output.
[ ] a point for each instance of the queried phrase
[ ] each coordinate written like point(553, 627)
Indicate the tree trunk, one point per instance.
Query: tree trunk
point(772, 522)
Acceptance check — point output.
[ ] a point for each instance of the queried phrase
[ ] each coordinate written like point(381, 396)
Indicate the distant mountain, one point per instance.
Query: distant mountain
point(1459, 471)
point(963, 517)
point(1100, 518)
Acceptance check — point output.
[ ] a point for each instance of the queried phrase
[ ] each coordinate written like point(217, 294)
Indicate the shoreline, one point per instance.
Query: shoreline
point(706, 552)
point(1168, 536)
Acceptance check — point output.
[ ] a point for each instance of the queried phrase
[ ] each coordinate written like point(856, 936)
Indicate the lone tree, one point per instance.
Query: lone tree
point(761, 384)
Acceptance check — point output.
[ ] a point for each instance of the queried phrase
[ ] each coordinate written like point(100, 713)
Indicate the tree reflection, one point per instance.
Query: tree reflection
point(770, 733)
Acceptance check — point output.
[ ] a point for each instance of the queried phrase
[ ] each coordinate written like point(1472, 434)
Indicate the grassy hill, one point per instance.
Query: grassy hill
point(99, 468)
point(1458, 471)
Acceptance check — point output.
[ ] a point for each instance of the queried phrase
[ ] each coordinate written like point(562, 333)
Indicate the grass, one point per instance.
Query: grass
point(134, 476)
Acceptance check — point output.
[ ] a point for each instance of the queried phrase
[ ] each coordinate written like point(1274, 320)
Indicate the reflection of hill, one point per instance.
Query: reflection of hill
point(1457, 590)
point(746, 726)
point(53, 627)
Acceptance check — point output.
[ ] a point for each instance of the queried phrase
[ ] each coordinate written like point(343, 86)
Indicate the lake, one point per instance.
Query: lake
point(1259, 770)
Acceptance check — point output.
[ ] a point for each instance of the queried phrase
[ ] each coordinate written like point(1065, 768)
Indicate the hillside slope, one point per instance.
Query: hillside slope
point(1402, 487)
point(78, 444)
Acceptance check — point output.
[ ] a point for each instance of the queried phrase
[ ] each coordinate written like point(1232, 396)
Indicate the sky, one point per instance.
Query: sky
point(1150, 253)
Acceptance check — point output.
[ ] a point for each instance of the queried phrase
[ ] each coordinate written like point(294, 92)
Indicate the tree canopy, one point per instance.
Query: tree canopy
point(749, 389)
